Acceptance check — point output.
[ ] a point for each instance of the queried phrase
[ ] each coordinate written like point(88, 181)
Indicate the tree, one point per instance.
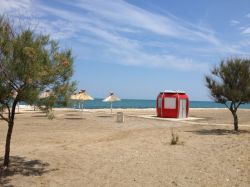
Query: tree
point(29, 65)
point(229, 84)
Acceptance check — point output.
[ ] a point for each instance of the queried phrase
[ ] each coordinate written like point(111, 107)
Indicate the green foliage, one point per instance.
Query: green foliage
point(229, 84)
point(230, 81)
point(31, 64)
point(175, 139)
point(50, 114)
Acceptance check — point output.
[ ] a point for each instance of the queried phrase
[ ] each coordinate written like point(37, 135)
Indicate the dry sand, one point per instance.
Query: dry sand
point(91, 149)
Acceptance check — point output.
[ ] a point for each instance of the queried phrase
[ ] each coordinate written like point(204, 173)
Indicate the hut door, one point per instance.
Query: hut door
point(182, 109)
point(160, 105)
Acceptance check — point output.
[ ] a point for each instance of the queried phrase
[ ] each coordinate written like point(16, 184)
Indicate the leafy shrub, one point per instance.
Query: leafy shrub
point(175, 139)
point(50, 115)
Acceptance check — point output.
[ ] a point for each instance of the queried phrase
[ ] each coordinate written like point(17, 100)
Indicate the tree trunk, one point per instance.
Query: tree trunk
point(7, 144)
point(236, 128)
point(9, 134)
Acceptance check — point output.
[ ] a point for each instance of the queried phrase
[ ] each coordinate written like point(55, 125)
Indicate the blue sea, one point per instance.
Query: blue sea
point(137, 103)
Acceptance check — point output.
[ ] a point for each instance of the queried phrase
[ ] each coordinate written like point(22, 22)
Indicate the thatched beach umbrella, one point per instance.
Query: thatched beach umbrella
point(74, 96)
point(111, 98)
point(45, 94)
point(81, 96)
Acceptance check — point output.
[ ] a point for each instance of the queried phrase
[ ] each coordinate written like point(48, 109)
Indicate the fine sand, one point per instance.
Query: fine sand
point(90, 148)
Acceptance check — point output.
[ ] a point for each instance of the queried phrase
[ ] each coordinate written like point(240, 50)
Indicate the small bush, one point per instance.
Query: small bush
point(175, 139)
point(50, 115)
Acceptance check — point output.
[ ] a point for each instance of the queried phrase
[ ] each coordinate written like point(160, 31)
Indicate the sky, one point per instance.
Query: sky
point(137, 48)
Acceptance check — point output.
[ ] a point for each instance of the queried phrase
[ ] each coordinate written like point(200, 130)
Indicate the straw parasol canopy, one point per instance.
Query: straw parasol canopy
point(81, 96)
point(111, 98)
point(74, 96)
point(45, 94)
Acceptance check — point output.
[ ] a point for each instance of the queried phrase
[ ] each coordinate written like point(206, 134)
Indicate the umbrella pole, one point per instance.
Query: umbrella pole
point(111, 107)
point(82, 109)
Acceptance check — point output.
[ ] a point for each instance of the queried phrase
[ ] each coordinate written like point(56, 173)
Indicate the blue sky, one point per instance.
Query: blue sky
point(137, 48)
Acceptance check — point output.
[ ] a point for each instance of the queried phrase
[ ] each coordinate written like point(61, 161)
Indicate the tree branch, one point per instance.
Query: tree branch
point(238, 105)
point(225, 103)
point(13, 84)
point(7, 106)
point(4, 118)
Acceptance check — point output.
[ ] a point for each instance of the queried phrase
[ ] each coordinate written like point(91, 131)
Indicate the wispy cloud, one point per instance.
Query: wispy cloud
point(122, 13)
point(248, 15)
point(246, 31)
point(13, 5)
point(17, 8)
point(234, 22)
point(123, 33)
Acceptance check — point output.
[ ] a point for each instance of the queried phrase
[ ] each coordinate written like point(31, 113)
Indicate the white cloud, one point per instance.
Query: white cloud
point(121, 13)
point(111, 27)
point(129, 52)
point(248, 15)
point(245, 43)
point(16, 7)
point(12, 5)
point(138, 58)
point(234, 22)
point(246, 31)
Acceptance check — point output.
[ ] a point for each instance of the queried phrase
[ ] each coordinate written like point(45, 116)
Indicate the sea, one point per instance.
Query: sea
point(139, 103)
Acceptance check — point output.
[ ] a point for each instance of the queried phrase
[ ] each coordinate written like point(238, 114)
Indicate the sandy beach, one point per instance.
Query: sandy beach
point(90, 148)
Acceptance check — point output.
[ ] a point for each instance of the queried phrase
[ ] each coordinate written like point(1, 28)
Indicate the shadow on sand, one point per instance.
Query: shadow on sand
point(19, 113)
point(105, 116)
point(21, 166)
point(39, 116)
point(218, 132)
point(75, 118)
point(72, 114)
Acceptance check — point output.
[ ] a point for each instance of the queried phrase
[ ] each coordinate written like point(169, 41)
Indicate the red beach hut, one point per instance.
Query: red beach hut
point(172, 104)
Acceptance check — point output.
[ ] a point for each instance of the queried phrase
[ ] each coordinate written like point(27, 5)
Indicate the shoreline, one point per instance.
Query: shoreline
point(28, 107)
